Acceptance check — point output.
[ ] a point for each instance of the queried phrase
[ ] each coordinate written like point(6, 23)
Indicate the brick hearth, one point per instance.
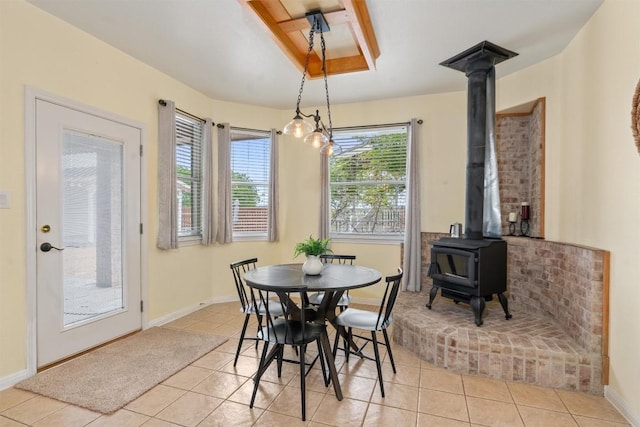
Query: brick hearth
point(557, 295)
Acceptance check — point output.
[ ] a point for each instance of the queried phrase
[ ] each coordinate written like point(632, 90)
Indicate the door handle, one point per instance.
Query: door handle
point(46, 247)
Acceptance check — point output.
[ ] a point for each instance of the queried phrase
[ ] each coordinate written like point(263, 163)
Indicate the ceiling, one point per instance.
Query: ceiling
point(219, 48)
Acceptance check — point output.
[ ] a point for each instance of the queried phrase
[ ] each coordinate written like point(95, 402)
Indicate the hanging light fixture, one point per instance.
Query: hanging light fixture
point(319, 136)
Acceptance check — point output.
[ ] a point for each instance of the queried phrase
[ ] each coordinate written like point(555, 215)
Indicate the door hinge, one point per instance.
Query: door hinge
point(141, 306)
point(140, 150)
point(141, 231)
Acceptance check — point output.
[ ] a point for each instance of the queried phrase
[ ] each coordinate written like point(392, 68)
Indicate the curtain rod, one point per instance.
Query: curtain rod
point(386, 125)
point(193, 116)
point(221, 126)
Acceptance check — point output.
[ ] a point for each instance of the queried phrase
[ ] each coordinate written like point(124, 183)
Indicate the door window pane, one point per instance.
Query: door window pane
point(92, 191)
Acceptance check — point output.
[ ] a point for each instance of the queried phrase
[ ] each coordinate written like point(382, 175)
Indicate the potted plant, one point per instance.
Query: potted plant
point(312, 249)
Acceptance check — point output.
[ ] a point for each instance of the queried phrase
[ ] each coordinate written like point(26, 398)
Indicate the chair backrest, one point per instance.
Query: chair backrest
point(338, 259)
point(288, 326)
point(389, 298)
point(239, 268)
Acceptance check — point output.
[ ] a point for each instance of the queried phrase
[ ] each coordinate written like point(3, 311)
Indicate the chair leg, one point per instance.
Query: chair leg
point(280, 357)
point(302, 383)
point(336, 341)
point(386, 340)
point(377, 354)
point(327, 379)
point(259, 327)
point(346, 344)
point(347, 348)
point(244, 330)
point(256, 380)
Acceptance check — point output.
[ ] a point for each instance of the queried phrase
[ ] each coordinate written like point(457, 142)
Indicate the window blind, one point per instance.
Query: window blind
point(250, 171)
point(189, 174)
point(367, 181)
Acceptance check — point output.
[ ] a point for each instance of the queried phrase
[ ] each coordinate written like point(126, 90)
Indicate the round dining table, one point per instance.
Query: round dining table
point(333, 281)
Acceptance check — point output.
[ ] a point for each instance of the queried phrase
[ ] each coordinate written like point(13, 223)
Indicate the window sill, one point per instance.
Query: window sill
point(364, 239)
point(189, 241)
point(249, 237)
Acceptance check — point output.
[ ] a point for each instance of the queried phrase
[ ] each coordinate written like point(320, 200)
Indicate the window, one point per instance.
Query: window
point(250, 180)
point(189, 175)
point(367, 183)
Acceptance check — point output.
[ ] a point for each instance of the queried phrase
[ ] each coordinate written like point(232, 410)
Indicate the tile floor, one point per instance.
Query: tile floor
point(211, 392)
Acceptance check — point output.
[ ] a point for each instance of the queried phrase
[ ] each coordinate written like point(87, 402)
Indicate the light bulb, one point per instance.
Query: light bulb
point(316, 138)
point(297, 127)
point(331, 149)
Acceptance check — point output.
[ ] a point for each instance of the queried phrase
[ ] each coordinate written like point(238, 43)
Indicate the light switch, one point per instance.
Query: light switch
point(5, 199)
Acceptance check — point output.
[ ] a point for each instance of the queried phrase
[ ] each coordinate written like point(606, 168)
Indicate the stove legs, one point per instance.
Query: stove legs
point(505, 305)
point(477, 304)
point(432, 295)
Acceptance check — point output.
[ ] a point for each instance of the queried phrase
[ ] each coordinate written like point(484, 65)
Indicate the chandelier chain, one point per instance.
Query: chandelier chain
point(326, 85)
point(306, 66)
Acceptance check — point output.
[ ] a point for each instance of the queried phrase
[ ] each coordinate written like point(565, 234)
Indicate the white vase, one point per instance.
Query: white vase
point(312, 266)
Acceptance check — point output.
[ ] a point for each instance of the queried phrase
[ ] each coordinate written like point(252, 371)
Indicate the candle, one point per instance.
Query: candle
point(524, 211)
point(513, 217)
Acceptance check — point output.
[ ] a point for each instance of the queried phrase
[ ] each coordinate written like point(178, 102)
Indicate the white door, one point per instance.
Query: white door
point(88, 231)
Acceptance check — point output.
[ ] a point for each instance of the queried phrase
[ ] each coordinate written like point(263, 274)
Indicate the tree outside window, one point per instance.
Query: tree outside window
point(250, 172)
point(368, 183)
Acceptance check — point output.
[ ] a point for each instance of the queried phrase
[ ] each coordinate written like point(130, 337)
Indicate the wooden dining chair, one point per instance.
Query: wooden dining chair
point(248, 303)
point(290, 329)
point(353, 318)
point(345, 299)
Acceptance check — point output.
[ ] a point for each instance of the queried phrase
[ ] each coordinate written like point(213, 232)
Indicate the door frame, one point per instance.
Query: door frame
point(31, 96)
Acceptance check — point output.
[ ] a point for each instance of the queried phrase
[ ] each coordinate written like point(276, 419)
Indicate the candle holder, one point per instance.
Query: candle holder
point(525, 213)
point(513, 219)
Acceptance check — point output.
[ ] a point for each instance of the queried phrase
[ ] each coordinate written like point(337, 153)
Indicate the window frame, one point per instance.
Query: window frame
point(352, 237)
point(191, 238)
point(259, 135)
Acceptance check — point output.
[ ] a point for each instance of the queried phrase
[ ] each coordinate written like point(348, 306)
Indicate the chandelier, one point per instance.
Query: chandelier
point(317, 135)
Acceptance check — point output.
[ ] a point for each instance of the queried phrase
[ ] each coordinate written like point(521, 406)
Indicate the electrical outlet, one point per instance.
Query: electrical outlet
point(5, 199)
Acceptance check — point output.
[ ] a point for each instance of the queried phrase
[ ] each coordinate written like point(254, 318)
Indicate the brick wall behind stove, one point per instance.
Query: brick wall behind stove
point(519, 151)
point(564, 281)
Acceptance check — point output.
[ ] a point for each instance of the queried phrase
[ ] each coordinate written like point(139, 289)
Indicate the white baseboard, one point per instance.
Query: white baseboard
point(622, 406)
point(13, 379)
point(188, 310)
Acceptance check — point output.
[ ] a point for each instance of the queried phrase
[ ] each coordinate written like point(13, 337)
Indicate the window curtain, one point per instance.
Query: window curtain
point(272, 232)
point(208, 224)
point(323, 232)
point(225, 222)
point(412, 255)
point(167, 194)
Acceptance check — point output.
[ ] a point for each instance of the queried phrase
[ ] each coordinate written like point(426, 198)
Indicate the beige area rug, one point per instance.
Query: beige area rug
point(108, 378)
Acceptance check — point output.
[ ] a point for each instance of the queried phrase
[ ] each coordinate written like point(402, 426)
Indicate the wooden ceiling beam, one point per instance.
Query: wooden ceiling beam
point(282, 39)
point(302, 24)
point(346, 64)
point(363, 30)
point(289, 35)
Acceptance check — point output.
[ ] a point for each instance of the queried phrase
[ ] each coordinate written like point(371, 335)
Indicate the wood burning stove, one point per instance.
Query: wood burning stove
point(470, 271)
point(474, 268)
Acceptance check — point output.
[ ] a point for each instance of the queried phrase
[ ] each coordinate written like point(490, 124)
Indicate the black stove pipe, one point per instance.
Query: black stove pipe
point(476, 63)
point(476, 142)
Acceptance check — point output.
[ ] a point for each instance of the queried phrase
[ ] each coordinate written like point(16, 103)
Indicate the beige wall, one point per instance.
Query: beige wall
point(39, 50)
point(593, 168)
point(602, 170)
